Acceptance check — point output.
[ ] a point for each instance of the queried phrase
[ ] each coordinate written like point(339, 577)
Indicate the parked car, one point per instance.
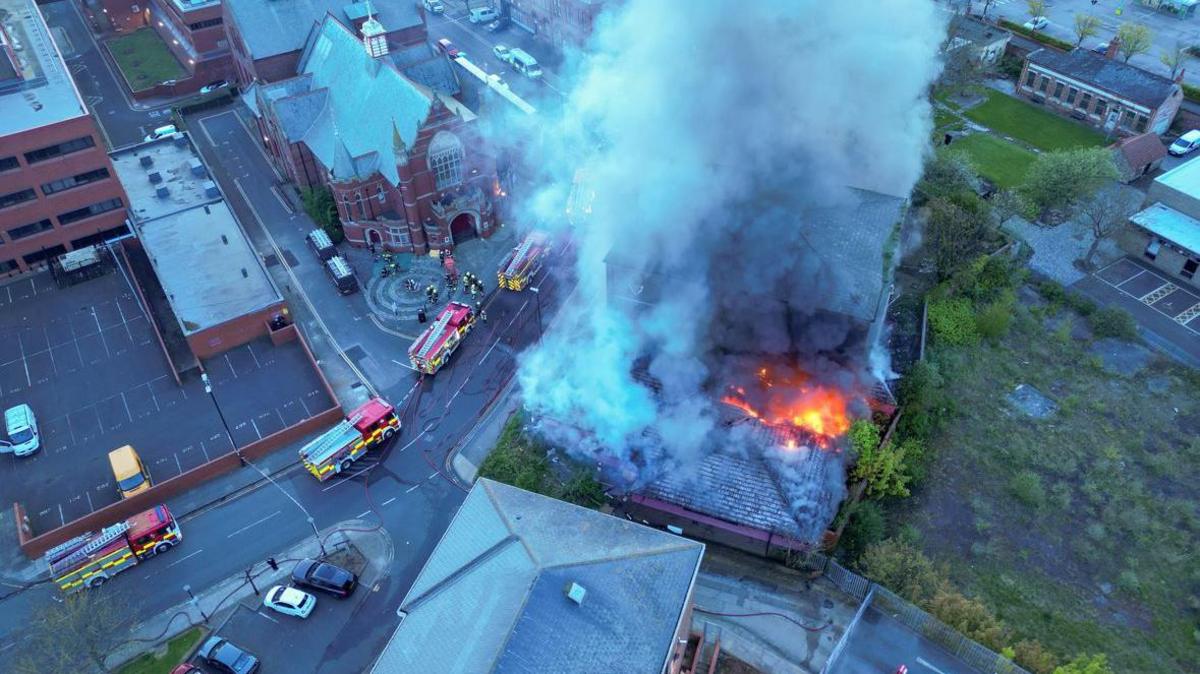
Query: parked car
point(483, 15)
point(434, 6)
point(496, 25)
point(1185, 143)
point(160, 132)
point(21, 427)
point(187, 668)
point(213, 86)
point(223, 656)
point(290, 601)
point(447, 46)
point(501, 52)
point(1037, 23)
point(325, 577)
point(1101, 48)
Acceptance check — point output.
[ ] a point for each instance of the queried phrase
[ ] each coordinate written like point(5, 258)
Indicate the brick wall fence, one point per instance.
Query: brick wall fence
point(35, 546)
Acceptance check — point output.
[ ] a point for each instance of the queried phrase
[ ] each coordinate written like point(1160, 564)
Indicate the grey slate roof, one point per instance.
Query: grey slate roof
point(271, 27)
point(1126, 81)
point(424, 65)
point(491, 597)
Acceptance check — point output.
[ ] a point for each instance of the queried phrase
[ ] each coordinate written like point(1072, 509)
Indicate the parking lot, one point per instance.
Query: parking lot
point(86, 359)
point(1155, 290)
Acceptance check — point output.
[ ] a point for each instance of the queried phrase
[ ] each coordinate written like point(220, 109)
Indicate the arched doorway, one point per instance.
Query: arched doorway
point(374, 237)
point(462, 228)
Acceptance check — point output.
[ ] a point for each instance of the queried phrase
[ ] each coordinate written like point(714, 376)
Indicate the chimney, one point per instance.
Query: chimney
point(1113, 45)
point(576, 593)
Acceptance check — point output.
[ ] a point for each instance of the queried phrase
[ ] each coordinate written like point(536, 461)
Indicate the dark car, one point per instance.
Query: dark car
point(325, 577)
point(223, 656)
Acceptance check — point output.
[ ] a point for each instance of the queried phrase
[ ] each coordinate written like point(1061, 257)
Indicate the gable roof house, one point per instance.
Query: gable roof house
point(525, 583)
point(404, 161)
point(1138, 155)
point(1101, 91)
point(985, 40)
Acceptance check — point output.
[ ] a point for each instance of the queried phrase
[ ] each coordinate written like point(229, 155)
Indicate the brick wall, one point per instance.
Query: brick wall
point(232, 334)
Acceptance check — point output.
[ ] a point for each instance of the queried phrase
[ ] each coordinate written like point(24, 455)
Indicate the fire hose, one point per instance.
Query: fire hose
point(788, 618)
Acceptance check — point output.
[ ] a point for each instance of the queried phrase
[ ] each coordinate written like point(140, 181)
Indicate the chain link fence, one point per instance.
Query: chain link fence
point(872, 594)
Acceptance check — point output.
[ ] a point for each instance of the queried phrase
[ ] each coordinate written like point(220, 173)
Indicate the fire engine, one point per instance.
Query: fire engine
point(334, 450)
point(92, 558)
point(523, 262)
point(433, 348)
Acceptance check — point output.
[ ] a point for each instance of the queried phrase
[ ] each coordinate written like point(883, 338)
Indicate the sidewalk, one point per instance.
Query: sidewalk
point(220, 601)
point(466, 458)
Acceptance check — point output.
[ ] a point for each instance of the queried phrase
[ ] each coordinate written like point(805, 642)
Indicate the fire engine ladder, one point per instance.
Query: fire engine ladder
point(435, 331)
point(106, 536)
point(522, 251)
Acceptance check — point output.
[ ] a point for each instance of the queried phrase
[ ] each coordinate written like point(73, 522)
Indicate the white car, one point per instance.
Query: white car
point(213, 86)
point(1037, 23)
point(160, 132)
point(20, 425)
point(290, 601)
point(1185, 143)
point(501, 52)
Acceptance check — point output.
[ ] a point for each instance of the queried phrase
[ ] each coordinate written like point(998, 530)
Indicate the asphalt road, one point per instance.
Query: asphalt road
point(99, 84)
point(879, 644)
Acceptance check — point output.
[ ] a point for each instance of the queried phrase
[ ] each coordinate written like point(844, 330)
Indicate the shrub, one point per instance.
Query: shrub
point(1113, 322)
point(953, 321)
point(583, 489)
point(1032, 655)
point(994, 320)
point(1052, 291)
point(1010, 66)
point(1082, 305)
point(1128, 581)
point(969, 616)
point(920, 395)
point(1026, 487)
point(335, 232)
point(988, 277)
point(319, 205)
point(1086, 664)
point(1191, 93)
point(1037, 35)
point(866, 528)
point(903, 569)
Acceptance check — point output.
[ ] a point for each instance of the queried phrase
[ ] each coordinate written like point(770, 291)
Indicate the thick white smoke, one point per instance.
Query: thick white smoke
point(708, 130)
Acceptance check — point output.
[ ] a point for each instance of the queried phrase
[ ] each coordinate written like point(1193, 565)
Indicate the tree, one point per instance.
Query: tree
point(1086, 664)
point(1032, 655)
point(969, 616)
point(319, 205)
point(1135, 39)
point(949, 172)
point(1104, 214)
point(1060, 180)
point(1036, 7)
point(74, 635)
point(954, 229)
point(866, 528)
point(1174, 58)
point(902, 568)
point(880, 465)
point(987, 4)
point(1086, 26)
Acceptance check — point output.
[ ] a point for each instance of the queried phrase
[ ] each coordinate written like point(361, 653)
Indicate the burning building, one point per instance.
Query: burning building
point(733, 259)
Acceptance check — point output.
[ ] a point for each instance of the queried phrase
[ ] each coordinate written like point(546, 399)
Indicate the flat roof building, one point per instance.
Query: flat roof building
point(1166, 234)
point(57, 192)
point(214, 281)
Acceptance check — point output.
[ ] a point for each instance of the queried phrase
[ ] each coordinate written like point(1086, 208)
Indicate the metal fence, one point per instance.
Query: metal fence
point(951, 640)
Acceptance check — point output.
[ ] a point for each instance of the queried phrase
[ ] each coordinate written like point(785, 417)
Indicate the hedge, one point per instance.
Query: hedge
point(1191, 93)
point(1035, 35)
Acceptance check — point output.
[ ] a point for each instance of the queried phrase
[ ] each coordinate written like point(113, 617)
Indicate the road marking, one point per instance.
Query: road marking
point(489, 351)
point(60, 515)
point(182, 559)
point(91, 507)
point(433, 475)
point(24, 362)
point(921, 661)
point(177, 464)
point(363, 514)
point(346, 479)
point(388, 501)
point(256, 431)
point(253, 524)
point(267, 617)
point(412, 488)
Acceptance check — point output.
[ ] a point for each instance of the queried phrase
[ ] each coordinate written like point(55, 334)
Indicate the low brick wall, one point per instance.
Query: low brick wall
point(35, 546)
point(137, 288)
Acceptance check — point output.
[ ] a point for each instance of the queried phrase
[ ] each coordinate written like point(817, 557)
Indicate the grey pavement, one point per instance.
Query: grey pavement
point(479, 442)
point(880, 643)
point(1166, 28)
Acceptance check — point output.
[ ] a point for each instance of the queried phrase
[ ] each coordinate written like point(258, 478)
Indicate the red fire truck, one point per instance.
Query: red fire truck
point(433, 348)
point(523, 262)
point(334, 450)
point(92, 558)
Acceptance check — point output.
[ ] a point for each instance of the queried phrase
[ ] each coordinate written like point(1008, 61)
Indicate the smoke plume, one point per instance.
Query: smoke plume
point(717, 138)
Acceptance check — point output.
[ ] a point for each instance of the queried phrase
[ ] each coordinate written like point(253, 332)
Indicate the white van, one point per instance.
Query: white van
point(484, 15)
point(524, 63)
point(160, 132)
point(21, 427)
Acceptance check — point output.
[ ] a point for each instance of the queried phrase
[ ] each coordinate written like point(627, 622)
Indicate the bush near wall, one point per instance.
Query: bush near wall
point(1035, 35)
point(1191, 93)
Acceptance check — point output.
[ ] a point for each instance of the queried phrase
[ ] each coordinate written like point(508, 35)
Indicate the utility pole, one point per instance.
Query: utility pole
point(195, 602)
point(537, 294)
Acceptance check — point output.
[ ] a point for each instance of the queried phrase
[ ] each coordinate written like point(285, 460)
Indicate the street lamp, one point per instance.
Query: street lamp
point(246, 462)
point(195, 602)
point(537, 295)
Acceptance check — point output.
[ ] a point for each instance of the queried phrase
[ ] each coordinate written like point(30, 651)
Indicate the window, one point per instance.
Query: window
point(1058, 90)
point(1084, 100)
point(18, 197)
point(1101, 107)
point(45, 254)
point(31, 229)
point(1072, 94)
point(1142, 121)
point(1043, 84)
point(445, 159)
point(1127, 119)
point(74, 181)
point(1189, 268)
point(7, 265)
point(88, 211)
point(205, 24)
point(381, 196)
point(1030, 76)
point(58, 150)
point(8, 163)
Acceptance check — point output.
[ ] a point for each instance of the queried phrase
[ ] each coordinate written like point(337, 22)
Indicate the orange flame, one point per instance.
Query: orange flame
point(817, 410)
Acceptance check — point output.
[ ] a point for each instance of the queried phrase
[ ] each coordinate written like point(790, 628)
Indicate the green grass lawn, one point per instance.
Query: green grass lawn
point(144, 59)
point(177, 648)
point(998, 160)
point(1044, 130)
point(943, 119)
point(1079, 529)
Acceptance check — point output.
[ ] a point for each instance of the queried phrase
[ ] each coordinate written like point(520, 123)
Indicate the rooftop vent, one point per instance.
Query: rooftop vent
point(224, 239)
point(211, 190)
point(147, 160)
point(576, 593)
point(163, 192)
point(197, 166)
point(155, 177)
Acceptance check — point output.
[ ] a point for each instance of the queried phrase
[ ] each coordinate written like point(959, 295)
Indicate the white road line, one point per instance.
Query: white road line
point(256, 431)
point(388, 501)
point(60, 515)
point(346, 479)
point(255, 357)
point(177, 464)
point(100, 331)
point(921, 661)
point(489, 351)
point(433, 475)
point(267, 617)
point(183, 559)
point(363, 514)
point(21, 344)
point(230, 364)
point(412, 488)
point(127, 412)
point(88, 494)
point(307, 414)
point(50, 350)
point(202, 449)
point(252, 524)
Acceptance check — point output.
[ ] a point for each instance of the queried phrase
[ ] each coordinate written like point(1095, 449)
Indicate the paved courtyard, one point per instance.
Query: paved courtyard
point(86, 359)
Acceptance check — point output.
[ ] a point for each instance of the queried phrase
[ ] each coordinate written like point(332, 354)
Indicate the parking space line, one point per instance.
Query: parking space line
point(127, 412)
point(230, 364)
point(99, 421)
point(100, 331)
point(307, 414)
point(50, 350)
point(24, 362)
point(256, 431)
point(252, 524)
point(124, 322)
point(177, 464)
point(253, 355)
point(203, 449)
point(60, 516)
point(91, 508)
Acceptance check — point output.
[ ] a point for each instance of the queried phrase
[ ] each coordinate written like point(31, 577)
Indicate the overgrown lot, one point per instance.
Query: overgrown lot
point(1079, 529)
point(523, 460)
point(145, 59)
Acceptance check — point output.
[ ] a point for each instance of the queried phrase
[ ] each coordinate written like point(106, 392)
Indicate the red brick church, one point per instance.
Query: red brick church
point(406, 164)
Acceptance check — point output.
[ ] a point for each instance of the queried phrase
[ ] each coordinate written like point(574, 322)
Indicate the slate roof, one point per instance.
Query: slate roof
point(1134, 152)
point(1126, 81)
point(491, 598)
point(271, 27)
point(976, 31)
point(423, 64)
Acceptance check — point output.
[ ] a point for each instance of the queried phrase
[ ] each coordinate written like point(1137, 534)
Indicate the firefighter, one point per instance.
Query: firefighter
point(421, 315)
point(435, 294)
point(429, 289)
point(483, 315)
